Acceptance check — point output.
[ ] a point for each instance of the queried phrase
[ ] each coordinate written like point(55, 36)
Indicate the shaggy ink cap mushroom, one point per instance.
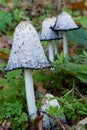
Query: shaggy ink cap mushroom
point(47, 33)
point(64, 22)
point(27, 53)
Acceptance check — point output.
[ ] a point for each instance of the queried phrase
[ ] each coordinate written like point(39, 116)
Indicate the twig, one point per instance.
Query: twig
point(81, 123)
point(68, 93)
point(79, 94)
point(82, 99)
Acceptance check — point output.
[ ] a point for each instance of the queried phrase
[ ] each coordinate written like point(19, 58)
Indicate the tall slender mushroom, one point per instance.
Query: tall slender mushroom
point(47, 34)
point(55, 48)
point(27, 53)
point(63, 24)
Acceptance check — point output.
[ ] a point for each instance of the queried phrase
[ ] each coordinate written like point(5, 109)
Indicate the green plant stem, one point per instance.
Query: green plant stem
point(73, 85)
point(68, 93)
point(82, 99)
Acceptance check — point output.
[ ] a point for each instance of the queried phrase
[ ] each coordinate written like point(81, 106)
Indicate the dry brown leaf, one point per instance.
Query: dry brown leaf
point(38, 122)
point(4, 55)
point(79, 5)
point(3, 87)
point(5, 43)
point(4, 125)
point(40, 87)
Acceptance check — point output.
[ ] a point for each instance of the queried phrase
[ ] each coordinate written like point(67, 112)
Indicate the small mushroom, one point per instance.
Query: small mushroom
point(27, 53)
point(47, 102)
point(47, 34)
point(63, 24)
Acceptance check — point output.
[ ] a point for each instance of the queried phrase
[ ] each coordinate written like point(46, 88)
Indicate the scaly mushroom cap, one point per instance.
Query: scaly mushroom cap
point(47, 33)
point(64, 22)
point(27, 51)
point(48, 101)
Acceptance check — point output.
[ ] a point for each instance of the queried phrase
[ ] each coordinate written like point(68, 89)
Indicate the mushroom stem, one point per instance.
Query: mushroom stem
point(50, 51)
point(55, 48)
point(65, 46)
point(30, 93)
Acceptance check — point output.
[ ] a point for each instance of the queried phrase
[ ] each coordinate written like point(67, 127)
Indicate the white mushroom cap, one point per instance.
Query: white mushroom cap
point(27, 51)
point(64, 22)
point(48, 101)
point(47, 33)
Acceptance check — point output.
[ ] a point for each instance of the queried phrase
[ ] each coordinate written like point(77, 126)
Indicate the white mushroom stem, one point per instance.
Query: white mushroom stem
point(65, 46)
point(50, 52)
point(30, 93)
point(55, 48)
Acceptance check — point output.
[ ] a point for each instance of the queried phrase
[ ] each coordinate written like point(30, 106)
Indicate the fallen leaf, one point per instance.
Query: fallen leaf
point(4, 55)
point(40, 87)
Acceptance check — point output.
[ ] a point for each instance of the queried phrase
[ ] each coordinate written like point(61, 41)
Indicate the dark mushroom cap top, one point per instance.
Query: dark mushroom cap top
point(64, 22)
point(47, 33)
point(27, 51)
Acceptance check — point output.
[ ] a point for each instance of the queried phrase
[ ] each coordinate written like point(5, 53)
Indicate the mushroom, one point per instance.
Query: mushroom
point(63, 24)
point(55, 48)
point(47, 34)
point(47, 102)
point(27, 54)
